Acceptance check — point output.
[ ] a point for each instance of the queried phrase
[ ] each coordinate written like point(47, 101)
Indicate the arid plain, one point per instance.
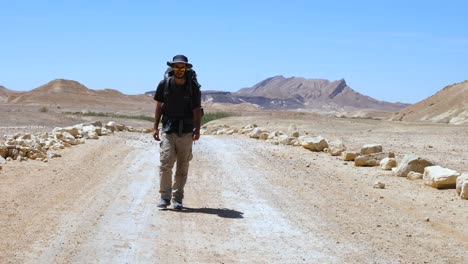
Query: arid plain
point(247, 200)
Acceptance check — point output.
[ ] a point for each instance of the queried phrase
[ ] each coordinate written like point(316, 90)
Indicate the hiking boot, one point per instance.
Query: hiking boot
point(177, 204)
point(164, 203)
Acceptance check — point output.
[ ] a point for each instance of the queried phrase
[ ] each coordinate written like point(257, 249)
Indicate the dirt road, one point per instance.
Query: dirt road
point(247, 201)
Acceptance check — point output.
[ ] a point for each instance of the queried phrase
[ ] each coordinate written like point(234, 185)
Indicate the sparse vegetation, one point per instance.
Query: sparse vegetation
point(43, 109)
point(212, 116)
point(112, 115)
point(205, 119)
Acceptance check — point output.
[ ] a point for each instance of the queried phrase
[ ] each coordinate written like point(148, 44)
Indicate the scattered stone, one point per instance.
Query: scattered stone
point(388, 163)
point(370, 160)
point(292, 131)
point(22, 147)
point(414, 175)
point(371, 148)
point(439, 177)
point(411, 163)
point(427, 219)
point(315, 144)
point(336, 148)
point(349, 156)
point(379, 185)
point(462, 185)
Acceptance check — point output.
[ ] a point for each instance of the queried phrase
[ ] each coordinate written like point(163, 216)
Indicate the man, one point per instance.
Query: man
point(178, 101)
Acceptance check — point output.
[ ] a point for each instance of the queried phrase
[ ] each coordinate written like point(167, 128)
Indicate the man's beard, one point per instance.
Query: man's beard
point(181, 77)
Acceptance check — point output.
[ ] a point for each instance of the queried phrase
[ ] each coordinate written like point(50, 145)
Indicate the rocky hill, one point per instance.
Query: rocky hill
point(3, 94)
point(449, 105)
point(316, 94)
point(68, 93)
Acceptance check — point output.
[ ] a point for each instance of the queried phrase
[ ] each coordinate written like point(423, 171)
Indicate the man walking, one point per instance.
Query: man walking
point(178, 102)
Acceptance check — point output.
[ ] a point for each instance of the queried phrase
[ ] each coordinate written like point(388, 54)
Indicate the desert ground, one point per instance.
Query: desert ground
point(246, 200)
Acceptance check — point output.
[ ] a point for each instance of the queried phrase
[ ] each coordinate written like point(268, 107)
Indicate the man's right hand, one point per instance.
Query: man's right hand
point(156, 134)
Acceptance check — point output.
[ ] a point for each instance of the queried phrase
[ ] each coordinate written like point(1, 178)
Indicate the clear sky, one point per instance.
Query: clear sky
point(392, 50)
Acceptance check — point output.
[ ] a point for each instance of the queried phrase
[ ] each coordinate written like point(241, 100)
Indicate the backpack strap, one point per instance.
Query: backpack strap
point(166, 87)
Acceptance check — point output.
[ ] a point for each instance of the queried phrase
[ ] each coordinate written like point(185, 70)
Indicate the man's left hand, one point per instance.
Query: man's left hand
point(196, 134)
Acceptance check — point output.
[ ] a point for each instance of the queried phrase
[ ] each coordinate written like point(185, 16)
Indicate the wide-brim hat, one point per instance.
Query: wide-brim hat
point(179, 59)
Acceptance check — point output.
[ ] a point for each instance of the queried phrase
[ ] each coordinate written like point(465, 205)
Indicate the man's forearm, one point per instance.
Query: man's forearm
point(157, 115)
point(197, 118)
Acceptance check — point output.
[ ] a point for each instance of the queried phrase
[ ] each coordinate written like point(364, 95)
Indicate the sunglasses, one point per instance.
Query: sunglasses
point(176, 68)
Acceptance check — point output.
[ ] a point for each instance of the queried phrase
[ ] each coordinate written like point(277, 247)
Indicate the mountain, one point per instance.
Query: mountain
point(3, 94)
point(316, 94)
point(449, 105)
point(70, 93)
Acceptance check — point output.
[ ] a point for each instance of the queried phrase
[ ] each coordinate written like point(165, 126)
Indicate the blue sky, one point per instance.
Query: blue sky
point(390, 50)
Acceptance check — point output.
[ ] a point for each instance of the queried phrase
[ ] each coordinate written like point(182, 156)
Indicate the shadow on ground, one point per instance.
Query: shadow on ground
point(221, 212)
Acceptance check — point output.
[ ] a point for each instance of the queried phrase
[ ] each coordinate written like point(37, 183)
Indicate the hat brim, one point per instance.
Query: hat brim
point(171, 63)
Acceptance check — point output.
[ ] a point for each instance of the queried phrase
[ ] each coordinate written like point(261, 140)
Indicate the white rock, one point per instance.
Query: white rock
point(411, 163)
point(315, 144)
point(349, 156)
point(292, 131)
point(336, 148)
point(439, 177)
point(286, 140)
point(2, 160)
point(371, 148)
point(370, 160)
point(462, 185)
point(255, 133)
point(388, 163)
point(414, 175)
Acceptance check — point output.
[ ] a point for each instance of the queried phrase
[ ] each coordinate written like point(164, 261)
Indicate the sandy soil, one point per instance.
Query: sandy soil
point(247, 201)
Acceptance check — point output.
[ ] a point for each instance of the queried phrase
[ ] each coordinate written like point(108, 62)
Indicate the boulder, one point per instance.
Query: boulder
point(414, 175)
point(292, 131)
point(439, 177)
point(371, 160)
point(120, 127)
point(97, 124)
point(2, 160)
point(3, 151)
point(462, 185)
point(411, 163)
point(110, 126)
point(388, 163)
point(336, 148)
point(371, 148)
point(315, 144)
point(286, 140)
point(256, 132)
point(349, 156)
point(73, 130)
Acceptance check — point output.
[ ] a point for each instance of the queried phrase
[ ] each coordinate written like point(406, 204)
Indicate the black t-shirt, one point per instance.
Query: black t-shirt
point(178, 104)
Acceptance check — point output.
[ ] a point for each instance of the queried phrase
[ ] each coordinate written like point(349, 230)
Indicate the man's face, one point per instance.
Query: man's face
point(179, 70)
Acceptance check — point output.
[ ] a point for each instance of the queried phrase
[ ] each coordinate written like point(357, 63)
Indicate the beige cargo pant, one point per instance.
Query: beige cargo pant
point(174, 149)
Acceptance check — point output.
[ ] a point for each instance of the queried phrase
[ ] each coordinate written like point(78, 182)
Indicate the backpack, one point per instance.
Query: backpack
point(191, 76)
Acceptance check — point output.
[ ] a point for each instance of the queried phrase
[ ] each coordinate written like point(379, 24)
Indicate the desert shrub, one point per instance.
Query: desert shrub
point(112, 115)
point(43, 109)
point(215, 115)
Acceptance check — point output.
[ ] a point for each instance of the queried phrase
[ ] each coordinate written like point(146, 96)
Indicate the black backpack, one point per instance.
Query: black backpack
point(191, 76)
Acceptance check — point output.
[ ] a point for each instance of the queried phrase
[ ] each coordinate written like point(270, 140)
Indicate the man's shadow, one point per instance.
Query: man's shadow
point(221, 212)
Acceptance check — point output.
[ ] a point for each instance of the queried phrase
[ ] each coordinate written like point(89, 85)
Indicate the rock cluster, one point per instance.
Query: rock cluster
point(412, 167)
point(40, 147)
